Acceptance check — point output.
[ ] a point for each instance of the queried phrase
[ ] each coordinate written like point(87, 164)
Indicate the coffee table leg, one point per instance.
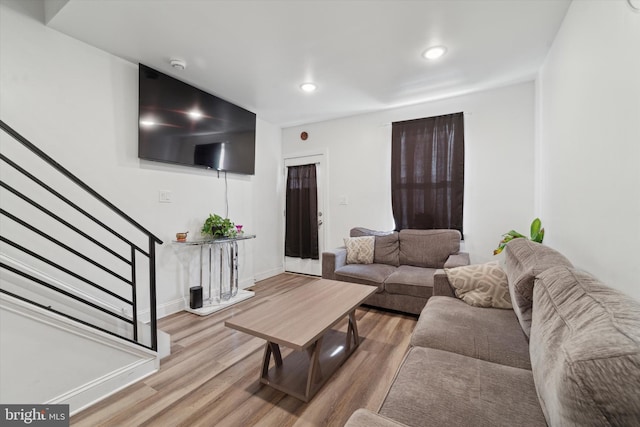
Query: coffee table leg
point(352, 331)
point(266, 359)
point(314, 366)
point(275, 349)
point(269, 348)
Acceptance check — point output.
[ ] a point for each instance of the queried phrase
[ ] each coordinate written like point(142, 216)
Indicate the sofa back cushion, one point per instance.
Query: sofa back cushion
point(386, 246)
point(585, 350)
point(525, 259)
point(428, 248)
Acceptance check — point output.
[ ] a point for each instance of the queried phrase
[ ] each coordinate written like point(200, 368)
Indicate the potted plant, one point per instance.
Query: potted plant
point(537, 234)
point(216, 226)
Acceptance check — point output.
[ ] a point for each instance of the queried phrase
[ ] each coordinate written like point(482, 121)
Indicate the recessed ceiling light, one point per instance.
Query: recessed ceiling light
point(308, 87)
point(434, 52)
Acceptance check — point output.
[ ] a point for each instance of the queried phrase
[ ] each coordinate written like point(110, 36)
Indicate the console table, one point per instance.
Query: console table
point(222, 252)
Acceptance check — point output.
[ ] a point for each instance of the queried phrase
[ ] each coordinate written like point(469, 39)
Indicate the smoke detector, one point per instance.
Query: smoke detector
point(178, 64)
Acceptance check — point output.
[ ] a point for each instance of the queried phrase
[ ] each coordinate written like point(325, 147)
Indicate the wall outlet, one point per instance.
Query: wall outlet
point(165, 196)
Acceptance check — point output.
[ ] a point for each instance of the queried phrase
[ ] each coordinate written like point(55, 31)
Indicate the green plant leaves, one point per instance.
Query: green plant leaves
point(537, 235)
point(535, 229)
point(217, 226)
point(514, 234)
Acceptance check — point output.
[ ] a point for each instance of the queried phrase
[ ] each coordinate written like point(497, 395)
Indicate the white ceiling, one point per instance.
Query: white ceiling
point(364, 55)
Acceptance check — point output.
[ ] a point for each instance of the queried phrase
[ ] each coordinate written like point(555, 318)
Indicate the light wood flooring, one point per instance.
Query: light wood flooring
point(212, 375)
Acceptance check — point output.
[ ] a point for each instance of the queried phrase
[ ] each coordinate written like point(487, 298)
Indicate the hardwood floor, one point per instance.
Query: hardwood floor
point(212, 375)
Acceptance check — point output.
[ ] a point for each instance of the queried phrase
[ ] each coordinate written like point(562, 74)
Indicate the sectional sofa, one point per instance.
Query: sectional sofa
point(402, 268)
point(567, 354)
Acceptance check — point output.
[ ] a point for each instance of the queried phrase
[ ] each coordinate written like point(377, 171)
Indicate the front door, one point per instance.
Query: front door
point(304, 237)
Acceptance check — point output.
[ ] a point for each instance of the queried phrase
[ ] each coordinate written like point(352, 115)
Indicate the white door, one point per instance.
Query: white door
point(307, 265)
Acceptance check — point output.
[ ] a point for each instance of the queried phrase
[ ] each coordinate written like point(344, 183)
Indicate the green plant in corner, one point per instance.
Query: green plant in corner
point(216, 226)
point(537, 234)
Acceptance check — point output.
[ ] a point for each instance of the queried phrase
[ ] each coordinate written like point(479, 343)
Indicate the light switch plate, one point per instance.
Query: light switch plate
point(165, 196)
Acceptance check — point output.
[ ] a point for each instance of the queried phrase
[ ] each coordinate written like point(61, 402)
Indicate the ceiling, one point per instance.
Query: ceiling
point(363, 55)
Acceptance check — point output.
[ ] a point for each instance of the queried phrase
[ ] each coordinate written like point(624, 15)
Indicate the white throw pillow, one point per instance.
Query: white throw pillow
point(360, 249)
point(481, 285)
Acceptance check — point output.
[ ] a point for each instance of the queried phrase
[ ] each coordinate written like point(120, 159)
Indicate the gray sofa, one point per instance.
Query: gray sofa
point(567, 355)
point(403, 268)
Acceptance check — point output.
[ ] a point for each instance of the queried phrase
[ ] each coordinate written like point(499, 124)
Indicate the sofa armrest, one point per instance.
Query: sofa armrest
point(366, 418)
point(332, 260)
point(441, 286)
point(457, 260)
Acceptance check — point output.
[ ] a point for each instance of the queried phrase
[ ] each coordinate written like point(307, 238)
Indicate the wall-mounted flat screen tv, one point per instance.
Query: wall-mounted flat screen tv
point(181, 124)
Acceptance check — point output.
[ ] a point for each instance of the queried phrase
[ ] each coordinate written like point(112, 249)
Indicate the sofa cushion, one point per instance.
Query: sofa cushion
point(409, 280)
point(439, 388)
point(481, 285)
point(428, 248)
point(585, 350)
point(457, 260)
point(489, 334)
point(369, 274)
point(524, 260)
point(359, 249)
point(397, 302)
point(386, 248)
point(362, 231)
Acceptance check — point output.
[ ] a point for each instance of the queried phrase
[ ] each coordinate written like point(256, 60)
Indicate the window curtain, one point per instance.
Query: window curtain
point(301, 234)
point(427, 172)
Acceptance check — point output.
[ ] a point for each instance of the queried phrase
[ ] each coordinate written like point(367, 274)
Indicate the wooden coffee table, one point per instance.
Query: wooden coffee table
point(302, 319)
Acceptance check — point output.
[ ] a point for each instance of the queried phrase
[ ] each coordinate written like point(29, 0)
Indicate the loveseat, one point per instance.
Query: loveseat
point(403, 267)
point(568, 354)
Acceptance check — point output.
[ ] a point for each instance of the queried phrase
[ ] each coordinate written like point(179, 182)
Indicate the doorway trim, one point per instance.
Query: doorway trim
point(305, 158)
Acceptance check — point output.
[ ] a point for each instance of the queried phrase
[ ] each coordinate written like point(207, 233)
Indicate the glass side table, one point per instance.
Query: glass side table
point(223, 253)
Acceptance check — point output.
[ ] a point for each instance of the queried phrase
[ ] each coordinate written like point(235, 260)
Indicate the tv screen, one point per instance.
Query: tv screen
point(178, 123)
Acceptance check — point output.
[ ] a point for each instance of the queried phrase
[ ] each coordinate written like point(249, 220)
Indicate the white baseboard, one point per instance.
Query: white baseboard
point(246, 283)
point(162, 310)
point(269, 273)
point(101, 388)
point(170, 307)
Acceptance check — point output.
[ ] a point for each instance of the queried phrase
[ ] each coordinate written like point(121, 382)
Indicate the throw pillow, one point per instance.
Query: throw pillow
point(360, 249)
point(481, 285)
point(386, 247)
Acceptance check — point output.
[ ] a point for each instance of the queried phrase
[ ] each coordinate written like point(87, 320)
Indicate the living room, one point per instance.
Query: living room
point(561, 145)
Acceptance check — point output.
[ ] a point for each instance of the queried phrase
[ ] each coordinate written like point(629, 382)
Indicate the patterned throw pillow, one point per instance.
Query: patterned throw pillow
point(360, 249)
point(481, 285)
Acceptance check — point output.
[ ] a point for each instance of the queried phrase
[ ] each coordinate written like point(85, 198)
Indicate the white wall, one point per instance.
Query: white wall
point(268, 194)
point(79, 105)
point(499, 184)
point(589, 96)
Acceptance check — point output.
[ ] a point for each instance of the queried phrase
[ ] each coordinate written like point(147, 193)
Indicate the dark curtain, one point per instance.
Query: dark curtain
point(427, 172)
point(301, 234)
